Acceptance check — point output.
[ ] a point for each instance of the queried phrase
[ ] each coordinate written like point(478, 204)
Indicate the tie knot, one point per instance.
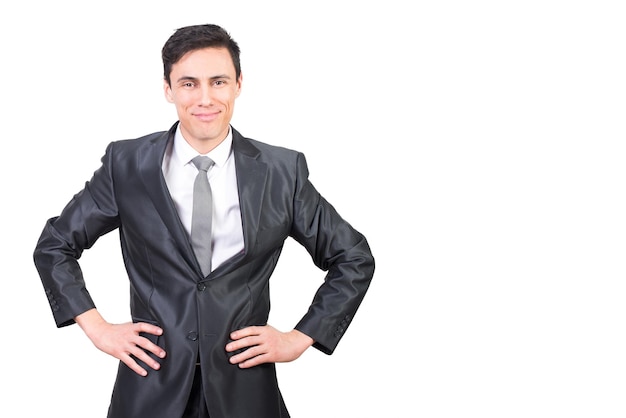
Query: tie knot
point(202, 163)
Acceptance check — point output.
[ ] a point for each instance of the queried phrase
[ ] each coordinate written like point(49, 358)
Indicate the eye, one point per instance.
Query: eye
point(219, 82)
point(188, 84)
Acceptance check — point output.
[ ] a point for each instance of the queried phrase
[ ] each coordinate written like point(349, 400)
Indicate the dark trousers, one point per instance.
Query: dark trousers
point(196, 405)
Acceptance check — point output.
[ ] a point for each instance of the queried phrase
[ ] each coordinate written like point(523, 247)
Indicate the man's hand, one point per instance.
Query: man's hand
point(265, 344)
point(122, 341)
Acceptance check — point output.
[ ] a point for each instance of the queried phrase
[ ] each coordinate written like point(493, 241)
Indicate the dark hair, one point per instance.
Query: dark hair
point(191, 38)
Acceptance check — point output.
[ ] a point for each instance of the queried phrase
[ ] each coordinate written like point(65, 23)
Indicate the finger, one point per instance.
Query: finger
point(148, 345)
point(246, 355)
point(133, 365)
point(143, 356)
point(148, 328)
point(245, 332)
point(254, 361)
point(243, 343)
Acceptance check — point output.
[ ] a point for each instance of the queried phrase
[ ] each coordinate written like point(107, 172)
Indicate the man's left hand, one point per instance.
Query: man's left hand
point(265, 344)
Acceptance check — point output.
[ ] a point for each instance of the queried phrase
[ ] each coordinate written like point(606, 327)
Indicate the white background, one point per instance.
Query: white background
point(479, 145)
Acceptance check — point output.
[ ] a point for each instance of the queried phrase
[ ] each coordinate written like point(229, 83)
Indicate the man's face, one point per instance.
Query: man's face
point(203, 89)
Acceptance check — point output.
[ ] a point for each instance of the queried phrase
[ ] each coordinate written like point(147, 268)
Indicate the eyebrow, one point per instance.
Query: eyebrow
point(190, 78)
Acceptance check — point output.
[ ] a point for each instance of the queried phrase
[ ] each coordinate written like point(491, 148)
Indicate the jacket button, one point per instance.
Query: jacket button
point(201, 287)
point(193, 336)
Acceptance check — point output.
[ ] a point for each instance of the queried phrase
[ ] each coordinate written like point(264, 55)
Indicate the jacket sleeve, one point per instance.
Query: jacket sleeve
point(90, 214)
point(340, 250)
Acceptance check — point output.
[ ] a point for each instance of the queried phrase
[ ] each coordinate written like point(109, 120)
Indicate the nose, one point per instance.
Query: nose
point(205, 95)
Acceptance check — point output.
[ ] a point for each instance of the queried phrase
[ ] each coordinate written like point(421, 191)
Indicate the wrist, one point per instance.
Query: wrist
point(302, 340)
point(89, 320)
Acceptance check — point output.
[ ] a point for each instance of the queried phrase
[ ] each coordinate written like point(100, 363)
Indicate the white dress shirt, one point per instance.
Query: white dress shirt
point(180, 173)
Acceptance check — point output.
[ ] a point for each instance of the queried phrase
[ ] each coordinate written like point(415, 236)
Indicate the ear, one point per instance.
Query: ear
point(167, 89)
point(239, 82)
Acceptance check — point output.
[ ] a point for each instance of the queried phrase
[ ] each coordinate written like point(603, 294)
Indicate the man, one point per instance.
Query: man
point(199, 344)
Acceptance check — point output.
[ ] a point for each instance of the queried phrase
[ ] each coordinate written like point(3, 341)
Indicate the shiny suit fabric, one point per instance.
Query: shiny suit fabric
point(197, 313)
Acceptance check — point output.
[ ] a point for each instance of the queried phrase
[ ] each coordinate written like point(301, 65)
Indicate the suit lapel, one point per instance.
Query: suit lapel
point(251, 177)
point(150, 169)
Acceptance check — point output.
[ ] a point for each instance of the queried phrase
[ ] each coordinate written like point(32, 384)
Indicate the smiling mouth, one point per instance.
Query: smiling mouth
point(206, 117)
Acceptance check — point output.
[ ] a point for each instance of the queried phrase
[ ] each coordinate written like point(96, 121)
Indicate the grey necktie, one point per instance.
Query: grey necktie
point(202, 214)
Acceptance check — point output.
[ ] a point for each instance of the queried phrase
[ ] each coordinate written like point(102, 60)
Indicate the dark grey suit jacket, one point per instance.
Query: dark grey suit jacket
point(128, 193)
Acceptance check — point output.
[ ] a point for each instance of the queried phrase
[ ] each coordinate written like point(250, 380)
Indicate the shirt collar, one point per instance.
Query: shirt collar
point(183, 153)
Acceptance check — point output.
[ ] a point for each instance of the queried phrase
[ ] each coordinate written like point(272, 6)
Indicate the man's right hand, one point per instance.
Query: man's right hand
point(122, 341)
